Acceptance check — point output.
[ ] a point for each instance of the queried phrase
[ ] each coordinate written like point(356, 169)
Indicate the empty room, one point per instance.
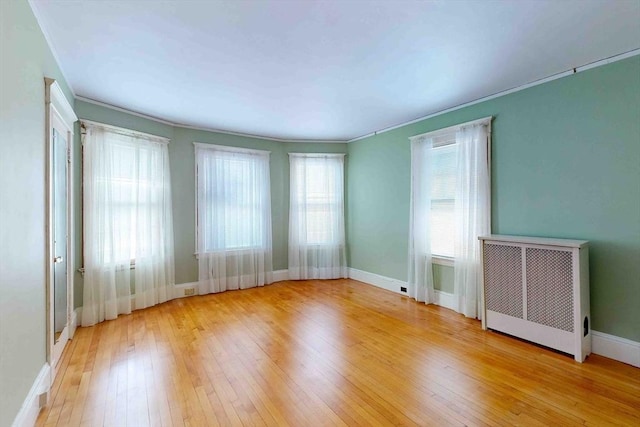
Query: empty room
point(319, 213)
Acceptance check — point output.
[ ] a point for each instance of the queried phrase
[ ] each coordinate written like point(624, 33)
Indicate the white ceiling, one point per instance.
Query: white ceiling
point(321, 70)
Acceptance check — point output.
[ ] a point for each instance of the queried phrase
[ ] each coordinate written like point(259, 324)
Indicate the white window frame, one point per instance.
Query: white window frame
point(205, 146)
point(441, 137)
point(114, 129)
point(312, 244)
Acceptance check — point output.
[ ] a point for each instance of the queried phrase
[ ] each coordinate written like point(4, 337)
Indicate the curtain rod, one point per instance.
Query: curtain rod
point(483, 121)
point(317, 155)
point(124, 131)
point(229, 148)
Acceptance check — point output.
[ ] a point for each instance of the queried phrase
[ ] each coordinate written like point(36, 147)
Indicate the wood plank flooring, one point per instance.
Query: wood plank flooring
point(325, 353)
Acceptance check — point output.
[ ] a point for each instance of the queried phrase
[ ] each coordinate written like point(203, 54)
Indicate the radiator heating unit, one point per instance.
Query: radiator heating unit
point(537, 289)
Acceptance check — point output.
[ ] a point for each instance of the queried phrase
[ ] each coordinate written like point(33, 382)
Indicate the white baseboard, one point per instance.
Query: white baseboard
point(443, 299)
point(611, 346)
point(78, 313)
point(31, 406)
point(383, 282)
point(446, 300)
point(617, 348)
point(280, 275)
point(182, 290)
point(74, 322)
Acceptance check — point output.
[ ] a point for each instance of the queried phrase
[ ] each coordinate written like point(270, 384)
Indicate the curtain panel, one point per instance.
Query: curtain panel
point(128, 222)
point(471, 215)
point(234, 243)
point(317, 247)
point(420, 267)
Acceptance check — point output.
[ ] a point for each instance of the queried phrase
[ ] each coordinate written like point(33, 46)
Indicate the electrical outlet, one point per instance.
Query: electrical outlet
point(189, 291)
point(403, 289)
point(42, 399)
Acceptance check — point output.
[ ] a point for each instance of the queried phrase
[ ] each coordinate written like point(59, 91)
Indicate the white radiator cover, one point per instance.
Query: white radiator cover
point(538, 289)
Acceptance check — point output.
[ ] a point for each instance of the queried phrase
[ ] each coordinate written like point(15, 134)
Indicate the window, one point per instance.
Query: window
point(127, 222)
point(316, 216)
point(127, 193)
point(233, 199)
point(132, 194)
point(443, 193)
point(317, 198)
point(450, 209)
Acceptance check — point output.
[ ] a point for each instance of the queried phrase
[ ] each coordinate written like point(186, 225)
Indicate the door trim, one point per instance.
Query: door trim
point(59, 110)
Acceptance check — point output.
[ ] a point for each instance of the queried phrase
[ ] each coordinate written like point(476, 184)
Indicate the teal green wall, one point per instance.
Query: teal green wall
point(443, 278)
point(182, 163)
point(565, 163)
point(25, 60)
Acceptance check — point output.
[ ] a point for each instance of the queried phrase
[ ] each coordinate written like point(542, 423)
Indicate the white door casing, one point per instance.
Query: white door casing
point(59, 262)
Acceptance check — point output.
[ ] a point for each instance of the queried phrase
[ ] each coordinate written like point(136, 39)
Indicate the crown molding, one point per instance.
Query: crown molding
point(573, 71)
point(47, 38)
point(204, 129)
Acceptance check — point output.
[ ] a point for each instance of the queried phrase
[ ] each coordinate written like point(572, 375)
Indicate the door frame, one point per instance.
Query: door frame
point(58, 110)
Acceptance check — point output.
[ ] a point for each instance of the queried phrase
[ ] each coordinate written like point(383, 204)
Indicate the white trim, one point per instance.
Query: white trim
point(123, 110)
point(73, 325)
point(30, 408)
point(317, 155)
point(538, 82)
point(47, 38)
point(611, 346)
point(206, 129)
point(443, 260)
point(61, 104)
point(125, 131)
point(434, 133)
point(446, 300)
point(584, 67)
point(181, 289)
point(616, 348)
point(58, 115)
point(379, 281)
point(280, 275)
point(543, 241)
point(230, 149)
point(609, 60)
point(442, 298)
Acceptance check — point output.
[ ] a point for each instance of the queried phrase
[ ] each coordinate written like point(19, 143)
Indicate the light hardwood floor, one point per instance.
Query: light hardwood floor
point(325, 353)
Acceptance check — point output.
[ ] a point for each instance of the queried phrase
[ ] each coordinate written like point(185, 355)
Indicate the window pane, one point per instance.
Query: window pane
point(443, 192)
point(442, 227)
point(232, 194)
point(317, 200)
point(131, 184)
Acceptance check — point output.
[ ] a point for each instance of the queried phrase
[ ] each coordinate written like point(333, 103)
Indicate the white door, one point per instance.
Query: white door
point(60, 119)
point(59, 203)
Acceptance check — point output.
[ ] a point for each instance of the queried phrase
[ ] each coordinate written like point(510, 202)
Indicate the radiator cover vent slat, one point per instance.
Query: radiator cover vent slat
point(503, 269)
point(550, 288)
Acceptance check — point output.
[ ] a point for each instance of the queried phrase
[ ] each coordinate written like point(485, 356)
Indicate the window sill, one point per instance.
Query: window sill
point(442, 260)
point(243, 251)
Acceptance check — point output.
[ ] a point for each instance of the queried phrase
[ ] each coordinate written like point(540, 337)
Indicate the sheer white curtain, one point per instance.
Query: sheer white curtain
point(472, 214)
point(233, 218)
point(316, 217)
point(420, 267)
point(127, 222)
